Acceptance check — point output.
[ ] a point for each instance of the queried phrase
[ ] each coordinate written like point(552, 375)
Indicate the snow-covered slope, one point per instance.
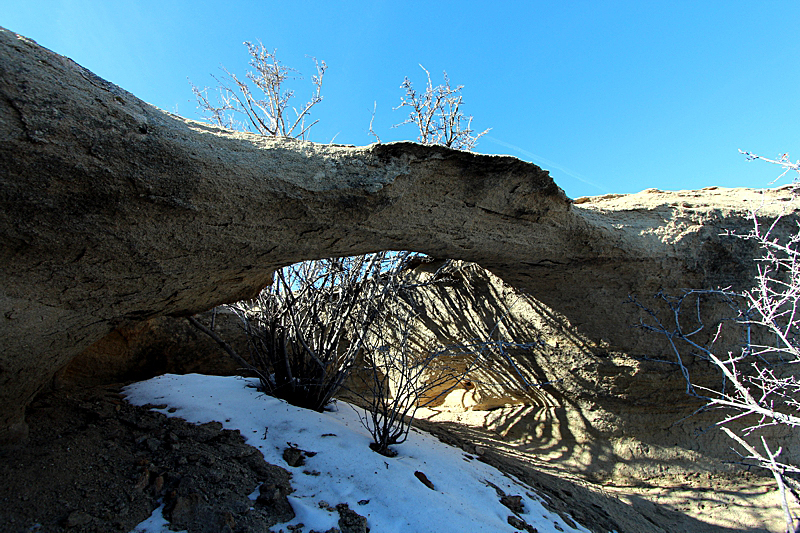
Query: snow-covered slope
point(343, 469)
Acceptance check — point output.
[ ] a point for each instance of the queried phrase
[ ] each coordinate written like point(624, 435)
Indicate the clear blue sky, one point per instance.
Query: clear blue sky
point(611, 96)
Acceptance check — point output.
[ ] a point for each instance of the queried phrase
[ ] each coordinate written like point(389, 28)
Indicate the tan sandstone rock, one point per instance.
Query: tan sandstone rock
point(113, 212)
point(157, 346)
point(552, 393)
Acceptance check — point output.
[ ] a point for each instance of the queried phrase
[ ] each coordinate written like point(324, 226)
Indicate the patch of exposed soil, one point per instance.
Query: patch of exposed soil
point(95, 463)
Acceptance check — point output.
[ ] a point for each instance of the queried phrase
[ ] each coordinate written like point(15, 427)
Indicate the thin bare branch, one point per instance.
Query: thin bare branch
point(759, 386)
point(371, 120)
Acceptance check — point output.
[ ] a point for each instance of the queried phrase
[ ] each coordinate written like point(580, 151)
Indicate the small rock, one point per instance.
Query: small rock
point(350, 521)
point(275, 500)
point(228, 521)
point(211, 428)
point(514, 503)
point(240, 506)
point(185, 508)
point(521, 524)
point(293, 456)
point(77, 519)
point(424, 479)
point(158, 484)
point(142, 480)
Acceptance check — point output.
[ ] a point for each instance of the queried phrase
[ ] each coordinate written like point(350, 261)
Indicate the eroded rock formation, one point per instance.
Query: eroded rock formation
point(161, 345)
point(113, 211)
point(550, 391)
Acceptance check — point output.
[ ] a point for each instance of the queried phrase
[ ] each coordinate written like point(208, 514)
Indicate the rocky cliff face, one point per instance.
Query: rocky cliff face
point(113, 211)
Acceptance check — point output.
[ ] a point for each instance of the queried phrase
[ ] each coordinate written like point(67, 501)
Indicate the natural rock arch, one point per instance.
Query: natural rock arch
point(113, 211)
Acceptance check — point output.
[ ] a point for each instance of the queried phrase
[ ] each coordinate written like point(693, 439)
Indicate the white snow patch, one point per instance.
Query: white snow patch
point(349, 472)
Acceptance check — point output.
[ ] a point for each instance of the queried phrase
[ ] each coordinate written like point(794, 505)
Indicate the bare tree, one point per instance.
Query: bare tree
point(238, 108)
point(438, 115)
point(371, 120)
point(759, 386)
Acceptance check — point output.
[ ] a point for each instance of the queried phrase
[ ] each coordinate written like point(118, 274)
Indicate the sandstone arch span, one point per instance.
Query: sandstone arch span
point(113, 211)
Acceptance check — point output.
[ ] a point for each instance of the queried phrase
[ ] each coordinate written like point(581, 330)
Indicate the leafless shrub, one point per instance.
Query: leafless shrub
point(438, 115)
point(239, 108)
point(759, 384)
point(307, 329)
point(400, 376)
point(395, 379)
